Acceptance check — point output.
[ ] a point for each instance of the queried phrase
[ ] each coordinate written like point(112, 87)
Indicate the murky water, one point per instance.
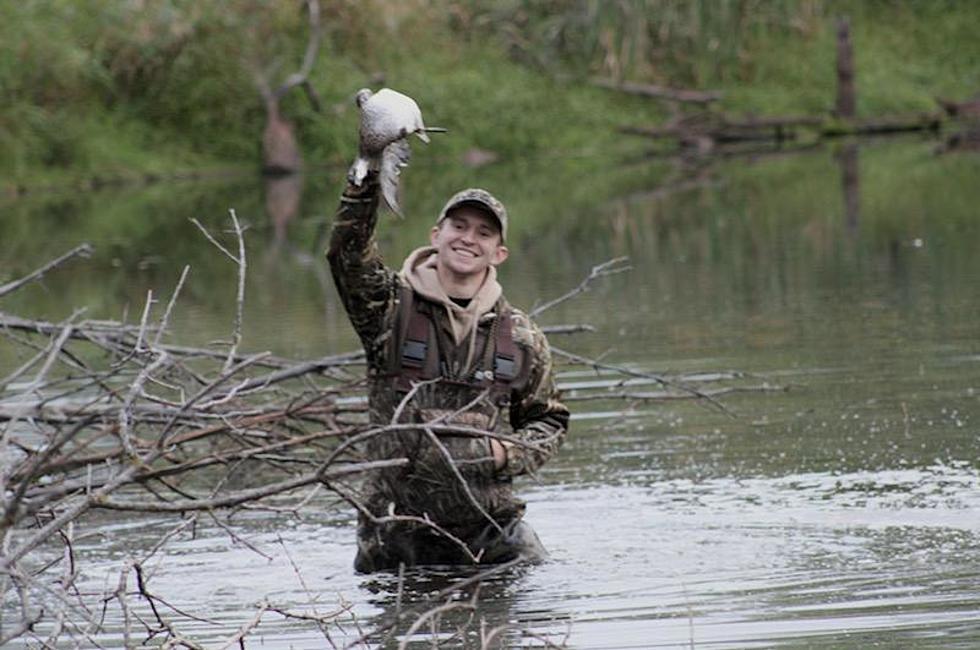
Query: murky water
point(844, 513)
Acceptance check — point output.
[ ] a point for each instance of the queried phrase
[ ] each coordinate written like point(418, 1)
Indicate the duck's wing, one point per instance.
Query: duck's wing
point(396, 155)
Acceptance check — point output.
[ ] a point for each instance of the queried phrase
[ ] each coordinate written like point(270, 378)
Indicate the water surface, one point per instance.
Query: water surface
point(840, 514)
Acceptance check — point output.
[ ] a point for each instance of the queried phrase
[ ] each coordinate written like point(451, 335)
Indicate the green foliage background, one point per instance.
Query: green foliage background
point(95, 90)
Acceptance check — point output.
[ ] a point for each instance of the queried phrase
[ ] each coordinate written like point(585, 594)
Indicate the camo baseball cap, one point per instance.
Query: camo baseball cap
point(481, 199)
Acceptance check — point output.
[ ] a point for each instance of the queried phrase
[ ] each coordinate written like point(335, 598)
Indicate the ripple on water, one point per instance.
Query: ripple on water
point(811, 560)
point(838, 559)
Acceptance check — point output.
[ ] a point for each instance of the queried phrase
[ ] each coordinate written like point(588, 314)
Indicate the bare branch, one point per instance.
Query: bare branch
point(299, 576)
point(239, 637)
point(663, 396)
point(214, 241)
point(301, 76)
point(435, 611)
point(82, 250)
point(451, 463)
point(239, 260)
point(573, 328)
point(170, 306)
point(244, 496)
point(236, 337)
point(660, 379)
point(408, 519)
point(54, 352)
point(611, 267)
point(409, 396)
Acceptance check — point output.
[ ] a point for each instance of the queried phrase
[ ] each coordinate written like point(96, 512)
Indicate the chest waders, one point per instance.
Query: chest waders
point(422, 350)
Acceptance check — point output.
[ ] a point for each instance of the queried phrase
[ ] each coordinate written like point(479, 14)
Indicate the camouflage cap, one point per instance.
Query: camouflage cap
point(481, 199)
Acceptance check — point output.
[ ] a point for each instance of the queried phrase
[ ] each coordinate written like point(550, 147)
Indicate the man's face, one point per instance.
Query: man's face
point(467, 241)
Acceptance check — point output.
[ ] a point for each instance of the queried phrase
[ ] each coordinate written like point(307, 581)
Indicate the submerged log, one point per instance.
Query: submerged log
point(883, 124)
point(763, 128)
point(721, 129)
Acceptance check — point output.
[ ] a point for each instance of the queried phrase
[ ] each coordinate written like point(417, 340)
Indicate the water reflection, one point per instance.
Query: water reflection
point(283, 195)
point(498, 620)
point(850, 185)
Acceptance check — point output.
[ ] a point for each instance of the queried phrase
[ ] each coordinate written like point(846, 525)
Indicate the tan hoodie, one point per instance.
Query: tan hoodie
point(419, 272)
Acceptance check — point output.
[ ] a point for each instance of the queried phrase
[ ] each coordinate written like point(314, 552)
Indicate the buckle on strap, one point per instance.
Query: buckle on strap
point(413, 353)
point(504, 367)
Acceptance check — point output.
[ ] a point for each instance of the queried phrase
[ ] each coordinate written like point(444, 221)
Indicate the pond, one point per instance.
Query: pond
point(843, 512)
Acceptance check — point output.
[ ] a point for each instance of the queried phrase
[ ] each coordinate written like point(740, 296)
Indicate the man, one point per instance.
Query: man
point(447, 352)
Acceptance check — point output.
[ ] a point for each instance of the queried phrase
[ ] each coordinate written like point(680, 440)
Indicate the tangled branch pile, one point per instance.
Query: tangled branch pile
point(108, 415)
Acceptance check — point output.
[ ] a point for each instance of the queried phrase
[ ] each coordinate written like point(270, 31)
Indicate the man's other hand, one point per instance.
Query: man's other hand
point(499, 450)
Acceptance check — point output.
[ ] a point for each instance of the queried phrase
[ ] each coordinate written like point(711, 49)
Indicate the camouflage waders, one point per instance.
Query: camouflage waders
point(499, 380)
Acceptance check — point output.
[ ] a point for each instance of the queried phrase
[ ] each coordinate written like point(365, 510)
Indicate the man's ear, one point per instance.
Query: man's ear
point(434, 235)
point(500, 255)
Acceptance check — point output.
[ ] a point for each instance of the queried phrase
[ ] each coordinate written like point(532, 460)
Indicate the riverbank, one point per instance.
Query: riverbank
point(126, 94)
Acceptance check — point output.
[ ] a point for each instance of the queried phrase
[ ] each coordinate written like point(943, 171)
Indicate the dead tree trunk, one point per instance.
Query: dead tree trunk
point(280, 150)
point(281, 153)
point(846, 102)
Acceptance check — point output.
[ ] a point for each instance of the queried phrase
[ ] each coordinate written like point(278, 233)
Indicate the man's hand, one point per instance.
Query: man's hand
point(499, 450)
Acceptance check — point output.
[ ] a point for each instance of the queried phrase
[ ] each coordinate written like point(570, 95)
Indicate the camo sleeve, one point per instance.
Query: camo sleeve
point(536, 413)
point(367, 287)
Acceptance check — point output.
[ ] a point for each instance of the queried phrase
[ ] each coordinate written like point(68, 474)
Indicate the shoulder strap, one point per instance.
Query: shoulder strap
point(505, 354)
point(414, 352)
point(413, 355)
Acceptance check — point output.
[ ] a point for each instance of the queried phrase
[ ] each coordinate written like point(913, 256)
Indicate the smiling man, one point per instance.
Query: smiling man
point(446, 352)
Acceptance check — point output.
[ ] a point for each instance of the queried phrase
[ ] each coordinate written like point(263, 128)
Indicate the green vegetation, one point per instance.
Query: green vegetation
point(768, 56)
point(100, 91)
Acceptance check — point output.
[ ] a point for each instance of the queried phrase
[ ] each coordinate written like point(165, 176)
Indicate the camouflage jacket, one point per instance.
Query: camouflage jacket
point(430, 486)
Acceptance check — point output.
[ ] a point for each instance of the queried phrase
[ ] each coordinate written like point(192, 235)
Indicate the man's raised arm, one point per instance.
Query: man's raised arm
point(367, 287)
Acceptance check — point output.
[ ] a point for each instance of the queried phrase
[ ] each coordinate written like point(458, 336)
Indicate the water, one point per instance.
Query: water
point(840, 514)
